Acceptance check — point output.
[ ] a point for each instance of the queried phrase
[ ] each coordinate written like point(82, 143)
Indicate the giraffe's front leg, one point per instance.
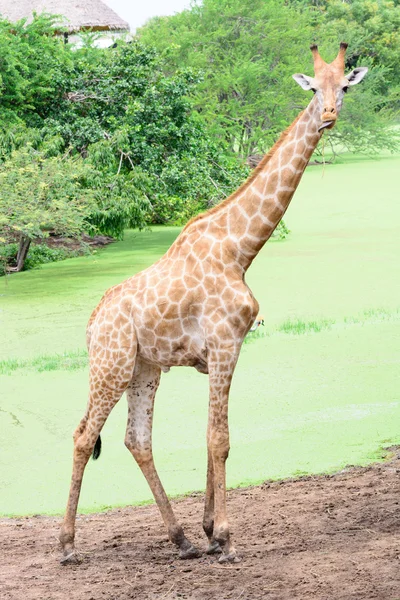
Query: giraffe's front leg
point(208, 519)
point(140, 394)
point(221, 367)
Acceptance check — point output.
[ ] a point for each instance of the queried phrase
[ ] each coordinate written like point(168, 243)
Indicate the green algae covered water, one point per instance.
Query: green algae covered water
point(315, 390)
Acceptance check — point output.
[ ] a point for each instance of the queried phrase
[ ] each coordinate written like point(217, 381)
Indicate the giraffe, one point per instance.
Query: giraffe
point(193, 308)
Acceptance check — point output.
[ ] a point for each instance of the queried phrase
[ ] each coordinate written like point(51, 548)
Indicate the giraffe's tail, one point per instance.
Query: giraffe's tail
point(97, 449)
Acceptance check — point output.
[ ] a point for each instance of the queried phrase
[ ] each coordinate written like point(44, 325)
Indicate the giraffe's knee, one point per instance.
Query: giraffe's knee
point(81, 428)
point(84, 442)
point(141, 452)
point(219, 448)
point(81, 440)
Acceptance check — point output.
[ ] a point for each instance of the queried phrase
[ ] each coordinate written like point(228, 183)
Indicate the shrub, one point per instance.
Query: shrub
point(39, 254)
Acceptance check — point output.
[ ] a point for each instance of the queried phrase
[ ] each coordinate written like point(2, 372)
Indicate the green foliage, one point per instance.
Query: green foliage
point(282, 231)
point(39, 195)
point(41, 254)
point(247, 51)
point(300, 327)
point(8, 254)
point(245, 95)
point(38, 254)
point(117, 124)
point(157, 129)
point(147, 154)
point(32, 69)
point(137, 127)
point(372, 30)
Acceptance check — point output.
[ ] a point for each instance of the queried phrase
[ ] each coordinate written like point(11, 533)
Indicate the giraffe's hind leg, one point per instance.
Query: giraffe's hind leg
point(111, 369)
point(140, 394)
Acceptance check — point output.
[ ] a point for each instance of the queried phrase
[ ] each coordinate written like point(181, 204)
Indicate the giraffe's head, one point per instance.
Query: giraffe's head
point(329, 84)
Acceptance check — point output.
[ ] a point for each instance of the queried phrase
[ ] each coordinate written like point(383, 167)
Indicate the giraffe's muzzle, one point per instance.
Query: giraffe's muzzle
point(328, 118)
point(328, 121)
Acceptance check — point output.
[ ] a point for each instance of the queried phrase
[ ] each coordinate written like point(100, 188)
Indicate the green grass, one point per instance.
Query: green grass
point(316, 389)
point(299, 327)
point(68, 361)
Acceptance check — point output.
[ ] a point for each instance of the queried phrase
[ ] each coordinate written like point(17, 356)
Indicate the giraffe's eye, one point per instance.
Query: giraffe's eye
point(314, 91)
point(346, 87)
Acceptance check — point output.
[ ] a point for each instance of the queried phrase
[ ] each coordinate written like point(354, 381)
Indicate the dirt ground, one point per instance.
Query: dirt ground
point(320, 538)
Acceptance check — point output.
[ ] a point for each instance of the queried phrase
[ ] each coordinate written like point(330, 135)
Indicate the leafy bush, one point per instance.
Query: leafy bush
point(34, 66)
point(39, 195)
point(8, 253)
point(39, 254)
point(173, 210)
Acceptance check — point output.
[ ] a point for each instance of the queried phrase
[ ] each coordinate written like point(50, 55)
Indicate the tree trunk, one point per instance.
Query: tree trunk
point(23, 249)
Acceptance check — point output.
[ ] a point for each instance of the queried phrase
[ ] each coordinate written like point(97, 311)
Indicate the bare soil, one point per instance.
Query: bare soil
point(57, 241)
point(321, 538)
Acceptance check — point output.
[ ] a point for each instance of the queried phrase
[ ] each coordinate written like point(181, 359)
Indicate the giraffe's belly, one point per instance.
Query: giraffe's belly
point(170, 341)
point(175, 353)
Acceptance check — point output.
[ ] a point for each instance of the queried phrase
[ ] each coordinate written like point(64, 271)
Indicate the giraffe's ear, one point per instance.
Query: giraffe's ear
point(356, 75)
point(304, 81)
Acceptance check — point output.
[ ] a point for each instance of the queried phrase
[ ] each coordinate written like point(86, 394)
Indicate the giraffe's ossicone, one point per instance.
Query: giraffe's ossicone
point(193, 308)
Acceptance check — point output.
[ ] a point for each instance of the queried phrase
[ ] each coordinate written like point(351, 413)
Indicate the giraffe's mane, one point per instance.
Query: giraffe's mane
point(253, 175)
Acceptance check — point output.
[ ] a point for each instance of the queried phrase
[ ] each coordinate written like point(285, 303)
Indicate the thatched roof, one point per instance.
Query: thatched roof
point(77, 14)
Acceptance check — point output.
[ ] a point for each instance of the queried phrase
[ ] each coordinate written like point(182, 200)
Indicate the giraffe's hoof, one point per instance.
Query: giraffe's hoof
point(70, 557)
point(214, 548)
point(191, 552)
point(229, 558)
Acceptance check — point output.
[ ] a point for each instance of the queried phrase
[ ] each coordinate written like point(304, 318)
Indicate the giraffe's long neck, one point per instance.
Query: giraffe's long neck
point(254, 211)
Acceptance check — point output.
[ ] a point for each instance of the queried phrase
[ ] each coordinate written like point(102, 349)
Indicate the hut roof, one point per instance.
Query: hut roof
point(77, 14)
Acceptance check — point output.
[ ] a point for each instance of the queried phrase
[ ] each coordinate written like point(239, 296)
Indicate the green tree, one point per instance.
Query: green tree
point(39, 196)
point(33, 68)
point(372, 30)
point(247, 95)
point(118, 109)
point(137, 126)
point(248, 50)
